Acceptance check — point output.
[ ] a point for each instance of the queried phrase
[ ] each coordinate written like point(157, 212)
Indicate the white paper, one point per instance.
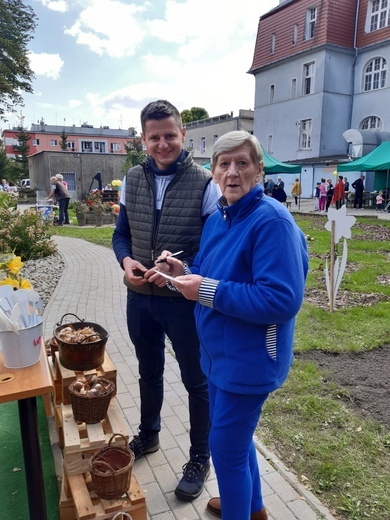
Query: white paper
point(167, 276)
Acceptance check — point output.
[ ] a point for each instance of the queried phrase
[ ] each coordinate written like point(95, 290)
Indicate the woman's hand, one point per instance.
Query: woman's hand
point(188, 285)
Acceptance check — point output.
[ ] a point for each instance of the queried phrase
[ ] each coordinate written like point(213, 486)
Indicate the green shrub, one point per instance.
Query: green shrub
point(25, 234)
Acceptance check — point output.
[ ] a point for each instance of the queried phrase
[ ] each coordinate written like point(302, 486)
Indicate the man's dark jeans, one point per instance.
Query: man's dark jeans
point(149, 319)
point(63, 211)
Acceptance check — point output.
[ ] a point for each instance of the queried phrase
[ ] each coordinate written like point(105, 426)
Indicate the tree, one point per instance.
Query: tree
point(22, 149)
point(17, 23)
point(64, 141)
point(135, 153)
point(194, 114)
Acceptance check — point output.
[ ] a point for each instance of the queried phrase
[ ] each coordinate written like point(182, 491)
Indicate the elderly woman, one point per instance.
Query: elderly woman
point(249, 284)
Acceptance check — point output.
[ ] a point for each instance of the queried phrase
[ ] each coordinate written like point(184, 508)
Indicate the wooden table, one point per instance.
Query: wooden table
point(24, 385)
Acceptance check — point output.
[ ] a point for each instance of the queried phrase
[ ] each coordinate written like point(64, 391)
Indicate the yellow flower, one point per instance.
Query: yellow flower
point(10, 281)
point(25, 284)
point(15, 265)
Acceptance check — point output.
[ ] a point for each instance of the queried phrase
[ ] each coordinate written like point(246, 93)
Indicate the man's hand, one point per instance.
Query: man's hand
point(134, 272)
point(189, 286)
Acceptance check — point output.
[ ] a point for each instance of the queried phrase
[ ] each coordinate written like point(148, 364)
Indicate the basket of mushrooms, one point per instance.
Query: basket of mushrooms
point(90, 398)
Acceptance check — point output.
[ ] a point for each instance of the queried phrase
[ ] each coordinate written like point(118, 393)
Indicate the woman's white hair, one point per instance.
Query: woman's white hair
point(59, 176)
point(232, 140)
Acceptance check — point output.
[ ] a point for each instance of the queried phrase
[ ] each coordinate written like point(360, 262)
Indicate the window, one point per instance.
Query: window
point(272, 47)
point(202, 145)
point(86, 146)
point(305, 134)
point(191, 144)
point(295, 34)
point(53, 142)
point(380, 14)
point(70, 178)
point(100, 147)
point(215, 137)
point(270, 142)
point(71, 146)
point(371, 123)
point(35, 142)
point(375, 74)
point(272, 94)
point(115, 147)
point(310, 23)
point(293, 93)
point(308, 78)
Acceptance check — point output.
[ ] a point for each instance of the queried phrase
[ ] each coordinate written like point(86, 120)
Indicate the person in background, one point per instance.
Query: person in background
point(60, 177)
point(358, 186)
point(12, 188)
point(322, 201)
point(4, 185)
point(329, 193)
point(60, 195)
point(296, 190)
point(346, 190)
point(270, 185)
point(379, 201)
point(164, 204)
point(317, 194)
point(338, 193)
point(247, 298)
point(280, 183)
point(279, 194)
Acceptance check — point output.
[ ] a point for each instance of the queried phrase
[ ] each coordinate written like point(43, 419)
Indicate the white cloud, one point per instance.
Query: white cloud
point(60, 5)
point(117, 30)
point(44, 64)
point(73, 103)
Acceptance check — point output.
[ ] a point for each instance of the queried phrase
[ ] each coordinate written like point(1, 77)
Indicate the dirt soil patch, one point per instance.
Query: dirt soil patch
point(364, 375)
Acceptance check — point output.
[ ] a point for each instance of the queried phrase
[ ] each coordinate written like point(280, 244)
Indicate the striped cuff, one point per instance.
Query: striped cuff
point(207, 291)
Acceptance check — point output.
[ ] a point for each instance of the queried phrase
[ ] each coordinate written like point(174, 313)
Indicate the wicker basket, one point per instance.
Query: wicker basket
point(91, 409)
point(111, 469)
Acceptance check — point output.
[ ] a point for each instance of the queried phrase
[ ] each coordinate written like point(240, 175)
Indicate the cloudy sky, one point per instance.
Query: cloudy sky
point(101, 61)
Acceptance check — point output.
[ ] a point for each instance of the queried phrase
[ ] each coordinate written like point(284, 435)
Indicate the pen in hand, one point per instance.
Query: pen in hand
point(163, 259)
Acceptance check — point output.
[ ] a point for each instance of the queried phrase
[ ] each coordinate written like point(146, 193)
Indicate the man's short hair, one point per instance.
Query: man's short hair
point(160, 109)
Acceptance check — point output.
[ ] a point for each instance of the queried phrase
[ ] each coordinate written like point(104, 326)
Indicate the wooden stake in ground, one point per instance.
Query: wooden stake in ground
point(339, 225)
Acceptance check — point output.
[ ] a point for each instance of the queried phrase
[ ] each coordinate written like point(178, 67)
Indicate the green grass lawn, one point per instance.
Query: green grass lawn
point(342, 458)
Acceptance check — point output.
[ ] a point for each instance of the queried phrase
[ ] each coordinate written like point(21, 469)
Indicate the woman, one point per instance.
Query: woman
point(338, 193)
point(296, 190)
point(249, 288)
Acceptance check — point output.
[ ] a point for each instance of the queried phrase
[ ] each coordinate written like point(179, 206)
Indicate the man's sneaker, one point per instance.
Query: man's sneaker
point(194, 476)
point(141, 447)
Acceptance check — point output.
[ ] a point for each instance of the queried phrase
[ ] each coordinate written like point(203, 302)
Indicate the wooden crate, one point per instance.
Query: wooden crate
point(78, 500)
point(80, 440)
point(63, 377)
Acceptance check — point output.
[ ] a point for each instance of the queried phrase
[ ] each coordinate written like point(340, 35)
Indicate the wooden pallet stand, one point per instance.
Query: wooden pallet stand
point(79, 501)
point(81, 441)
point(63, 377)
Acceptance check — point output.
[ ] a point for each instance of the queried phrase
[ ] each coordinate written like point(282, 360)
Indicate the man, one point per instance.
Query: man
point(61, 195)
point(60, 177)
point(164, 203)
point(280, 183)
point(358, 186)
point(4, 185)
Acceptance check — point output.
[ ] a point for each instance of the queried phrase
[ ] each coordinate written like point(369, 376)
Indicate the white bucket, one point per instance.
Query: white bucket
point(23, 349)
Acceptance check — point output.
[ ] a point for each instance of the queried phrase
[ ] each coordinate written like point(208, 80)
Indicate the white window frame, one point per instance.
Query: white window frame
point(371, 123)
point(53, 142)
point(270, 143)
point(271, 94)
point(215, 138)
point(202, 145)
point(375, 74)
point(305, 131)
point(310, 23)
point(293, 91)
point(191, 144)
point(35, 142)
point(115, 147)
point(71, 145)
point(295, 34)
point(86, 146)
point(273, 43)
point(308, 78)
point(378, 15)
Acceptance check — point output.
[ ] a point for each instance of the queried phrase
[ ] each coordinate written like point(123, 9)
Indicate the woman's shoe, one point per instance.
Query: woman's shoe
point(214, 507)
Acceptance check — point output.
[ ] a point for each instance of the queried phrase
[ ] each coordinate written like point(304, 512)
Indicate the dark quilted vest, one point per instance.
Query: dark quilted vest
point(180, 224)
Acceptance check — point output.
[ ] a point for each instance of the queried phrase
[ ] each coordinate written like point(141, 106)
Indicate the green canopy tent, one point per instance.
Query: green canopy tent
point(378, 160)
point(271, 165)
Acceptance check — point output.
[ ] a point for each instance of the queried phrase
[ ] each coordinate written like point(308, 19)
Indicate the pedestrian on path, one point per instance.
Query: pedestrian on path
point(338, 193)
point(164, 204)
point(296, 190)
point(358, 186)
point(247, 298)
point(61, 195)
